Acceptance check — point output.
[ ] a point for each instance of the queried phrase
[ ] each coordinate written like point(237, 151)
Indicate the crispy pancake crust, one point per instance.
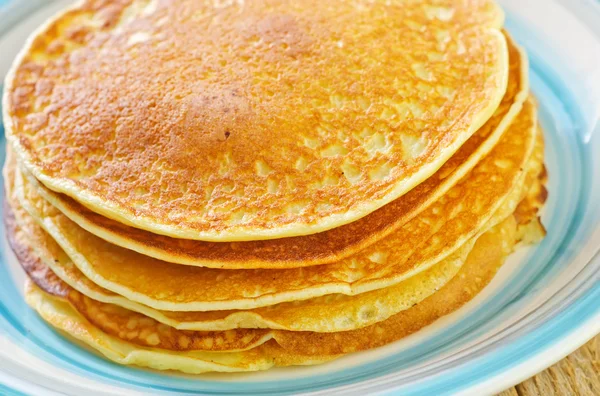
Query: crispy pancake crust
point(325, 247)
point(251, 121)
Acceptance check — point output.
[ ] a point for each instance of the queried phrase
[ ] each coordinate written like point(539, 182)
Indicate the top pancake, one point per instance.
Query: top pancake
point(325, 247)
point(251, 121)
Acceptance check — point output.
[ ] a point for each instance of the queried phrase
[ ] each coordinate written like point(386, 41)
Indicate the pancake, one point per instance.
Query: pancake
point(434, 235)
point(530, 229)
point(314, 314)
point(62, 316)
point(326, 247)
point(38, 269)
point(256, 120)
point(141, 330)
point(485, 260)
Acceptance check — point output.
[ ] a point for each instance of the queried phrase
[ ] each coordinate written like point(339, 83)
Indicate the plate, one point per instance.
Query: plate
point(542, 305)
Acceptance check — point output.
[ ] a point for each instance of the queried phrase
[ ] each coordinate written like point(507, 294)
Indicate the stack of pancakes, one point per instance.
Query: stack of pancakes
point(232, 186)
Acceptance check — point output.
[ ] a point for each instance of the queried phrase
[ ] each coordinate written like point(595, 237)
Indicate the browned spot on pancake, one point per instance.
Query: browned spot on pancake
point(37, 271)
point(139, 329)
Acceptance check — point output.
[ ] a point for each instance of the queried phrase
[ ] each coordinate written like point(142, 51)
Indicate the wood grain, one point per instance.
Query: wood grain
point(577, 374)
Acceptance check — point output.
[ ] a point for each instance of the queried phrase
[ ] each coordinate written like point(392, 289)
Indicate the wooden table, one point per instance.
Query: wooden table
point(577, 374)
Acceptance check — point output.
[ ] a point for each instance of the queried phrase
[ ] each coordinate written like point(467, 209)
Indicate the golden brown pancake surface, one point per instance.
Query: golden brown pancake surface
point(254, 120)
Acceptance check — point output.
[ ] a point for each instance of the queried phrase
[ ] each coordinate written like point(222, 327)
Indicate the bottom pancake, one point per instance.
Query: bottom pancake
point(61, 315)
point(287, 347)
